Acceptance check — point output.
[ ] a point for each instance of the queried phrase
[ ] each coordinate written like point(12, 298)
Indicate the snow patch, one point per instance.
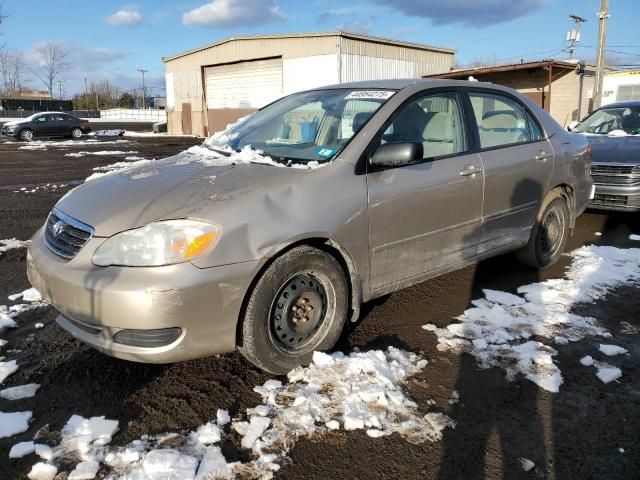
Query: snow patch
point(12, 423)
point(362, 390)
point(607, 373)
point(20, 392)
point(612, 350)
point(527, 465)
point(43, 471)
point(497, 331)
point(101, 152)
point(6, 369)
point(12, 244)
point(21, 449)
point(246, 155)
point(587, 361)
point(115, 168)
point(29, 295)
point(634, 237)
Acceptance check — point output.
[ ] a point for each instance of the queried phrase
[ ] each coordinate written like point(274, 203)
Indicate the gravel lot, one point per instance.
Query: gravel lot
point(587, 430)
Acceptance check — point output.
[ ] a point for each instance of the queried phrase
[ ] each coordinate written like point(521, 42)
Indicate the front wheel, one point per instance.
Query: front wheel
point(76, 133)
point(549, 235)
point(299, 305)
point(26, 135)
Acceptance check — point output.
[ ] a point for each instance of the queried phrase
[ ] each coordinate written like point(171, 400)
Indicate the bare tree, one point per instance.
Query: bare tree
point(52, 62)
point(13, 73)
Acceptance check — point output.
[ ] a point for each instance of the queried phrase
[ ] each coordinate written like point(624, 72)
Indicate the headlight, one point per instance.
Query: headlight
point(159, 243)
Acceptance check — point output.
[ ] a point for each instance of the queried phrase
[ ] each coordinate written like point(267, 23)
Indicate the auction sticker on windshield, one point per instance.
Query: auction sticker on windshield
point(370, 94)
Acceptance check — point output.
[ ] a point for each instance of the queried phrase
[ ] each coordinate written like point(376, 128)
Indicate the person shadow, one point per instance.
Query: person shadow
point(497, 422)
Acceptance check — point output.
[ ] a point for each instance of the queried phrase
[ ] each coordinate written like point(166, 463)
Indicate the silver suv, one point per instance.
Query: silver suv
point(269, 236)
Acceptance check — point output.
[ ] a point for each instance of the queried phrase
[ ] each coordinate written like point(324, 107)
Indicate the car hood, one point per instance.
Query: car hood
point(185, 185)
point(610, 149)
point(13, 123)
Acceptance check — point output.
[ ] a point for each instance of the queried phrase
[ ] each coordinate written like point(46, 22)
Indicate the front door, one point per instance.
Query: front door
point(424, 216)
point(518, 162)
point(41, 126)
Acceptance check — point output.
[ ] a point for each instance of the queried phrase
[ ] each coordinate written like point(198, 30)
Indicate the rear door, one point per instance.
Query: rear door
point(424, 216)
point(59, 125)
point(518, 162)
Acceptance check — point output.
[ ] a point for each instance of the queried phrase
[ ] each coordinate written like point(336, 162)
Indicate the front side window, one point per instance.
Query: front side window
point(607, 120)
point(306, 126)
point(501, 121)
point(435, 121)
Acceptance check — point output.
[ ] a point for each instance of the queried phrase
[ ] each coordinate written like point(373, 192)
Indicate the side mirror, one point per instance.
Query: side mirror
point(572, 125)
point(397, 154)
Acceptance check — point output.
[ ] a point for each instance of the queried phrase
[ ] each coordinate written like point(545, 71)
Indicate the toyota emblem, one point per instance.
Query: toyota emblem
point(58, 228)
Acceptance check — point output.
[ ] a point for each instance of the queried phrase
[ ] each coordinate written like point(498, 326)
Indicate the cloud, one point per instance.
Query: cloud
point(358, 26)
point(124, 17)
point(476, 13)
point(233, 13)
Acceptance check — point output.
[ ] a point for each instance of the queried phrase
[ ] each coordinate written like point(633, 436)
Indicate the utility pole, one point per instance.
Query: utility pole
point(60, 89)
point(603, 15)
point(573, 35)
point(144, 92)
point(86, 95)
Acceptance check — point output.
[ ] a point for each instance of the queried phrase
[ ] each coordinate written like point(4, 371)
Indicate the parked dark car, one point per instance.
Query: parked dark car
point(46, 124)
point(614, 134)
point(269, 237)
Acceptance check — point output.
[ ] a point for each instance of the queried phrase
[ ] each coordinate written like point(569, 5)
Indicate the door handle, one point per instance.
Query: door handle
point(470, 170)
point(542, 156)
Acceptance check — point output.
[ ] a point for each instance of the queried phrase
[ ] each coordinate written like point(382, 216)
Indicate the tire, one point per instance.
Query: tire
point(304, 283)
point(549, 235)
point(26, 135)
point(76, 133)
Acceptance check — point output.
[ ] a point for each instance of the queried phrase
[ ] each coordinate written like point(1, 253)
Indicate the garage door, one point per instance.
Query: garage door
point(251, 84)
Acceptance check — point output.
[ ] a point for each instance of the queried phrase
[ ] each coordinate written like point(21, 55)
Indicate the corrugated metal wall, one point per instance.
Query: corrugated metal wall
point(427, 61)
point(361, 59)
point(357, 67)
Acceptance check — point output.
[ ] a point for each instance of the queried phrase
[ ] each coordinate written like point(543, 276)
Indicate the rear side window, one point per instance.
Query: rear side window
point(502, 121)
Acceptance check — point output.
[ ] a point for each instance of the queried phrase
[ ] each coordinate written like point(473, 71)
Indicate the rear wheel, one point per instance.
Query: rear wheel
point(76, 133)
point(26, 135)
point(299, 305)
point(549, 235)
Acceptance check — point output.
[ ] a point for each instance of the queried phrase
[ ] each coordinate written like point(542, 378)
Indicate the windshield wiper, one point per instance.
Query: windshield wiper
point(225, 153)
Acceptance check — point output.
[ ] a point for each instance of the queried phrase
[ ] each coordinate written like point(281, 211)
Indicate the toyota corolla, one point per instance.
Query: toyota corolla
point(269, 236)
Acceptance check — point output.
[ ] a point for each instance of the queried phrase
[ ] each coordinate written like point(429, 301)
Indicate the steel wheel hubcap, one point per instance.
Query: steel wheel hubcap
point(552, 232)
point(298, 311)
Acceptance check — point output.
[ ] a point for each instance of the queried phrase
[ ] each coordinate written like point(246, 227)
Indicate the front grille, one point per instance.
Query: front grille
point(604, 200)
point(613, 169)
point(64, 235)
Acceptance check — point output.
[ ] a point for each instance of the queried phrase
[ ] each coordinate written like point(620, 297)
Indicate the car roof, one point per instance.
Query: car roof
point(399, 84)
point(628, 103)
point(50, 113)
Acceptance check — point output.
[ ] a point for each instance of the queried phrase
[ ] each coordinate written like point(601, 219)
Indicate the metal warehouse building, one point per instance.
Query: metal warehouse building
point(211, 86)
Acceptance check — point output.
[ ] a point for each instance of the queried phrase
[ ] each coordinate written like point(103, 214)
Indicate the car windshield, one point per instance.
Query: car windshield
point(304, 127)
point(614, 119)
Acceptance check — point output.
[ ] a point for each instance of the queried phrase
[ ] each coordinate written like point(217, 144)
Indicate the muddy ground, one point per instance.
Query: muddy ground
point(574, 434)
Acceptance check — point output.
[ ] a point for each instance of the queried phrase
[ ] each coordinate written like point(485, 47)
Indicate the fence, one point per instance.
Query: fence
point(149, 115)
point(23, 113)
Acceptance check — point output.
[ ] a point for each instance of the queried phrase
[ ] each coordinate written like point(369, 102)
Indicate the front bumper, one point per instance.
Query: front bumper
point(9, 132)
point(95, 303)
point(616, 197)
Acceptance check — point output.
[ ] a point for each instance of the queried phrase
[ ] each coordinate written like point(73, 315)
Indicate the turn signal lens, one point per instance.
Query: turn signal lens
point(199, 245)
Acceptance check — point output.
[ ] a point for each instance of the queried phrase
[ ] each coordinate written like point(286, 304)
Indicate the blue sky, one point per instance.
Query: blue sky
point(111, 40)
